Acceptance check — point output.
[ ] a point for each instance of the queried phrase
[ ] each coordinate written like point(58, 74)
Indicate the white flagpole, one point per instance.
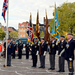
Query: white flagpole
point(7, 33)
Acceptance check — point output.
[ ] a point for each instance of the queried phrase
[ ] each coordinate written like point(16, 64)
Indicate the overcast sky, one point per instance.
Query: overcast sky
point(19, 10)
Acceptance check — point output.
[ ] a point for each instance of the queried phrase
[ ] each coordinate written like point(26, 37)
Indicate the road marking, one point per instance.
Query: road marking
point(18, 73)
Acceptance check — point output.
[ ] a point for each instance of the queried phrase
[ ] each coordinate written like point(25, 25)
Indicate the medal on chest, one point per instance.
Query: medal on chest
point(67, 46)
point(35, 46)
point(9, 46)
point(53, 45)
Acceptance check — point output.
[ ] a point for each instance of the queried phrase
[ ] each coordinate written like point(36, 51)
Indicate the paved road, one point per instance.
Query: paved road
point(23, 67)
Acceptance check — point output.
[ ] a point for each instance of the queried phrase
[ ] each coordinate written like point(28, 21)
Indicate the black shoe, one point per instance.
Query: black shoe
point(53, 69)
point(58, 71)
point(8, 65)
point(40, 67)
point(49, 68)
point(62, 71)
point(32, 66)
point(43, 67)
point(13, 58)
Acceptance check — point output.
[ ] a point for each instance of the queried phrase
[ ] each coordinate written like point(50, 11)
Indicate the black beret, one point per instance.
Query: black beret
point(42, 38)
point(62, 36)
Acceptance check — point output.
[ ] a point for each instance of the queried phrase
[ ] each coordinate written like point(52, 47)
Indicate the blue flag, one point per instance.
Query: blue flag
point(55, 30)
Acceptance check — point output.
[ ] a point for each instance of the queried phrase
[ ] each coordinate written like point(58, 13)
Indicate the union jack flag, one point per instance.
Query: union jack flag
point(5, 6)
point(30, 30)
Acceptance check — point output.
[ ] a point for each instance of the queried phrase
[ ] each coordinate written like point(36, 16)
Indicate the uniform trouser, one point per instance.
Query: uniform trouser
point(61, 63)
point(14, 54)
point(9, 60)
point(27, 54)
point(34, 60)
point(19, 54)
point(42, 60)
point(52, 61)
point(70, 67)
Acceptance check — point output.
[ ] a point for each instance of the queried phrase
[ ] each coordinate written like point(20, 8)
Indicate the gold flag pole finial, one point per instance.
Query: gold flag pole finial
point(55, 4)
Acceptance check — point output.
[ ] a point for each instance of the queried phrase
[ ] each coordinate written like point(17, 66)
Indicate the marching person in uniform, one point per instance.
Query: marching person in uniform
point(61, 53)
point(52, 54)
point(27, 50)
point(20, 47)
point(43, 53)
point(69, 53)
point(9, 52)
point(35, 51)
point(15, 47)
point(4, 49)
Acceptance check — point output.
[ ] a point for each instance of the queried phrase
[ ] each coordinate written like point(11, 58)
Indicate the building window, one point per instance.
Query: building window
point(22, 25)
point(21, 30)
point(23, 35)
point(20, 35)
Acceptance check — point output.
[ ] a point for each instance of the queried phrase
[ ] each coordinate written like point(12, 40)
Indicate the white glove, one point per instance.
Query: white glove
point(47, 42)
point(31, 44)
point(56, 52)
point(60, 55)
point(38, 44)
point(44, 53)
point(70, 59)
point(57, 42)
point(30, 49)
point(37, 52)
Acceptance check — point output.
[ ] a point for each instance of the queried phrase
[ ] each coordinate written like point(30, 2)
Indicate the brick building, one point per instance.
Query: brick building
point(22, 29)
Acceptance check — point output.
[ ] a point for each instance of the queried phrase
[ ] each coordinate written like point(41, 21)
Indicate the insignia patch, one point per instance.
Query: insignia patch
point(70, 65)
point(53, 45)
point(61, 46)
point(42, 46)
point(35, 46)
point(67, 46)
point(9, 46)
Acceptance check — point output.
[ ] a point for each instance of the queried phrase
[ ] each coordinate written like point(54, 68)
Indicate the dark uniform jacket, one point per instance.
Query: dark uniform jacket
point(53, 48)
point(9, 48)
point(62, 46)
point(20, 46)
point(4, 45)
point(43, 48)
point(35, 48)
point(69, 50)
point(15, 46)
point(27, 47)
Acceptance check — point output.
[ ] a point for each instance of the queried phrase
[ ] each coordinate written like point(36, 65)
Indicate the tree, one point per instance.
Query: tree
point(42, 34)
point(13, 34)
point(66, 16)
point(2, 34)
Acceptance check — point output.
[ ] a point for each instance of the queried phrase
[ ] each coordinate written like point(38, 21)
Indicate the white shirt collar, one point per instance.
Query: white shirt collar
point(53, 41)
point(69, 40)
point(62, 41)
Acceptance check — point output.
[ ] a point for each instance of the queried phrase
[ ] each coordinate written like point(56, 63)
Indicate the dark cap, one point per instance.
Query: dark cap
point(35, 38)
point(42, 38)
point(62, 36)
point(52, 37)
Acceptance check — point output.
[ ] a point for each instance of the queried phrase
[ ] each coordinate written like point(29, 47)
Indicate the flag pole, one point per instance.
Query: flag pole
point(29, 29)
point(7, 34)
